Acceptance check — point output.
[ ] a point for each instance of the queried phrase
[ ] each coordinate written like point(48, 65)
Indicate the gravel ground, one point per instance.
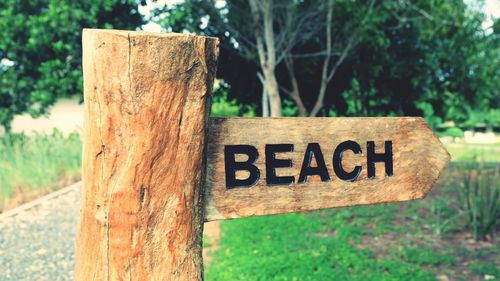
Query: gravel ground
point(39, 243)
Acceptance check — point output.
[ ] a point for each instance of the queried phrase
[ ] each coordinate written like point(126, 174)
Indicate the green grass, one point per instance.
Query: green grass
point(37, 163)
point(316, 246)
point(417, 240)
point(485, 268)
point(474, 152)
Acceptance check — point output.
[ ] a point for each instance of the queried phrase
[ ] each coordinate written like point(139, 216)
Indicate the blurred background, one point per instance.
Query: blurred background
point(435, 59)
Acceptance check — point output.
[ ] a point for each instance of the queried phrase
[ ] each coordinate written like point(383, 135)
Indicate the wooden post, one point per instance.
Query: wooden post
point(146, 107)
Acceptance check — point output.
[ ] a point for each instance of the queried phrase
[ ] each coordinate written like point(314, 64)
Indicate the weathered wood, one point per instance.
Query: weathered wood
point(146, 101)
point(418, 159)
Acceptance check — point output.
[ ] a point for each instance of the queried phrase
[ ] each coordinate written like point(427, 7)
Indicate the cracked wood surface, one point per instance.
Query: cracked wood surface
point(146, 104)
point(418, 160)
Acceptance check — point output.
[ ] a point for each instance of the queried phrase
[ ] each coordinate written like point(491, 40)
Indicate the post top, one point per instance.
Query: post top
point(133, 33)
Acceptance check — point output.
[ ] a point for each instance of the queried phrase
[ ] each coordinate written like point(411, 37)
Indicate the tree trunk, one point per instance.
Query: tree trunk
point(326, 74)
point(265, 97)
point(146, 109)
point(364, 108)
point(265, 103)
point(263, 17)
point(271, 85)
point(295, 95)
point(295, 92)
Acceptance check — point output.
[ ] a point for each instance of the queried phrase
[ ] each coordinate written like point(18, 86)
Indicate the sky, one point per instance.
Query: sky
point(492, 9)
point(146, 10)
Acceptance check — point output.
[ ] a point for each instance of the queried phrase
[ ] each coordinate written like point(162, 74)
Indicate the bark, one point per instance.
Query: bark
point(294, 93)
point(325, 69)
point(265, 103)
point(146, 109)
point(271, 85)
point(266, 50)
point(265, 97)
point(328, 71)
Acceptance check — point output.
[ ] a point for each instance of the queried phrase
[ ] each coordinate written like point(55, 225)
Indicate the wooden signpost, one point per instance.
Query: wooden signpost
point(156, 166)
point(263, 166)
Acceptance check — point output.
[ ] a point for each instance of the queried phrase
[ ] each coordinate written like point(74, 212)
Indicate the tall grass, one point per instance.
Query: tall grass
point(37, 164)
point(479, 195)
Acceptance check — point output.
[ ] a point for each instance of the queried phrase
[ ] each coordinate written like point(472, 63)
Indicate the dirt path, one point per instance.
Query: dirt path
point(212, 235)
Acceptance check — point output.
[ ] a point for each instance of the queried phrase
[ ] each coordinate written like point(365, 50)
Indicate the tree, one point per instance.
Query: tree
point(264, 31)
point(40, 49)
point(430, 59)
point(410, 57)
point(348, 38)
point(271, 32)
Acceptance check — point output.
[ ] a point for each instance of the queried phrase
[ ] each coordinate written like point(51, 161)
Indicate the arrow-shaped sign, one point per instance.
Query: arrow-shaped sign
point(263, 166)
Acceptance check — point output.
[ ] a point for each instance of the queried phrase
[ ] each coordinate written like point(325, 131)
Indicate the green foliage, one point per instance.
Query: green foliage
point(40, 49)
point(305, 247)
point(423, 256)
point(223, 107)
point(484, 268)
point(38, 162)
point(438, 66)
point(492, 117)
point(489, 118)
point(418, 58)
point(444, 217)
point(428, 114)
point(453, 132)
point(288, 108)
point(479, 195)
point(354, 105)
point(455, 107)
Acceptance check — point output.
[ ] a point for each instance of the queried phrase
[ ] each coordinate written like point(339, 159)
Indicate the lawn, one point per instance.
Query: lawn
point(419, 240)
point(474, 152)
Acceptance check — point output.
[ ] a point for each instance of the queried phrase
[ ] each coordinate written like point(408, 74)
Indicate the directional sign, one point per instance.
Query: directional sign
point(151, 151)
point(263, 166)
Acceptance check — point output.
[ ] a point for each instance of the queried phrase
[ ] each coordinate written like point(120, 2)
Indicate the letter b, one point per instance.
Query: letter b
point(232, 166)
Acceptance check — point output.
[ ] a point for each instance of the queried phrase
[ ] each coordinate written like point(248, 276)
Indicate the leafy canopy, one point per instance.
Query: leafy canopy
point(40, 48)
point(419, 57)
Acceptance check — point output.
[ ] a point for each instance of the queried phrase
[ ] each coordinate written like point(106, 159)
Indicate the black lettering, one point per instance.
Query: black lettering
point(313, 149)
point(272, 164)
point(337, 160)
point(373, 157)
point(232, 166)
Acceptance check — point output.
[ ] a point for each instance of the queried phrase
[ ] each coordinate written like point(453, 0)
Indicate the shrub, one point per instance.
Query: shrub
point(490, 118)
point(223, 107)
point(429, 114)
point(453, 132)
point(479, 197)
point(484, 268)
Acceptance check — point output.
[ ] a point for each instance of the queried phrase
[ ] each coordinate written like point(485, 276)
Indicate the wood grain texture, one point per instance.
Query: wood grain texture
point(418, 159)
point(146, 105)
